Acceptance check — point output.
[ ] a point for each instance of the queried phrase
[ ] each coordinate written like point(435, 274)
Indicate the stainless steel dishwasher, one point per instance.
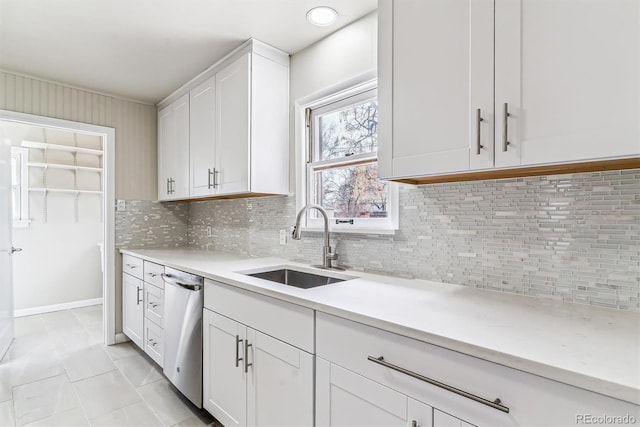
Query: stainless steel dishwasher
point(184, 300)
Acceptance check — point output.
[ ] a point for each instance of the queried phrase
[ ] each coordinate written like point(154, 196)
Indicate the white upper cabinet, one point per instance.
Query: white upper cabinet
point(233, 121)
point(436, 70)
point(237, 128)
point(567, 71)
point(202, 133)
point(173, 150)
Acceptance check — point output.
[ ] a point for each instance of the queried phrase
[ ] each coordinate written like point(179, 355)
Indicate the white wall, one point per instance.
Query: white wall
point(59, 262)
point(346, 54)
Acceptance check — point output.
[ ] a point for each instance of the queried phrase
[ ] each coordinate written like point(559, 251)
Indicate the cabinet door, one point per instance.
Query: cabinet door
point(344, 398)
point(224, 382)
point(202, 134)
point(233, 89)
point(441, 419)
point(173, 150)
point(166, 133)
point(436, 72)
point(569, 74)
point(179, 149)
point(133, 309)
point(280, 383)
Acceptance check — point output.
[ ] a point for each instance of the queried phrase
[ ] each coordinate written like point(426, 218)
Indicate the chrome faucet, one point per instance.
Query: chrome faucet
point(327, 255)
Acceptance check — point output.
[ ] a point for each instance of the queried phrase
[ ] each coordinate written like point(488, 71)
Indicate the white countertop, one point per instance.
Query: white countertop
point(593, 348)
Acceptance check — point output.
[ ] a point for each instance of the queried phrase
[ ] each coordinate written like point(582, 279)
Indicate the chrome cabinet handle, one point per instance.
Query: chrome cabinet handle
point(495, 404)
point(238, 358)
point(505, 127)
point(246, 356)
point(153, 305)
point(132, 266)
point(479, 120)
point(168, 189)
point(152, 274)
point(215, 178)
point(210, 178)
point(152, 342)
point(14, 250)
point(138, 295)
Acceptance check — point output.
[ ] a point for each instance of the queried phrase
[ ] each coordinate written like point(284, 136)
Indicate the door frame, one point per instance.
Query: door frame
point(108, 135)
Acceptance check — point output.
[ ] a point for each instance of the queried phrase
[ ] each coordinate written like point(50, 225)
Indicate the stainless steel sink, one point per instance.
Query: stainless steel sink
point(296, 277)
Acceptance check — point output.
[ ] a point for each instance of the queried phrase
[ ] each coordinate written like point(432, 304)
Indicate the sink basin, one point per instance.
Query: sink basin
point(296, 277)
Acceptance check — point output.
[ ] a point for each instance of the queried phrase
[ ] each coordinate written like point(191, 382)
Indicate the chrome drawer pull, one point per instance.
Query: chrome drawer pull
point(246, 355)
point(496, 404)
point(238, 358)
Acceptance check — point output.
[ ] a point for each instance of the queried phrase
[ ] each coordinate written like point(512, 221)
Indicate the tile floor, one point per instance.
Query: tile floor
point(58, 372)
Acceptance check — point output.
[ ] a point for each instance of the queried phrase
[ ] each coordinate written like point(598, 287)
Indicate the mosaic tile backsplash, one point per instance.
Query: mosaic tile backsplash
point(146, 224)
point(569, 237)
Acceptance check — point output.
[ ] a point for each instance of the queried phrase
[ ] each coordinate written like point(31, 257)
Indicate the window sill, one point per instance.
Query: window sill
point(363, 231)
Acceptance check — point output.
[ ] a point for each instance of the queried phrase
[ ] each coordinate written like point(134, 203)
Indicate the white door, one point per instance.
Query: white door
point(233, 98)
point(280, 383)
point(224, 378)
point(344, 398)
point(569, 74)
point(133, 309)
point(441, 74)
point(202, 135)
point(6, 280)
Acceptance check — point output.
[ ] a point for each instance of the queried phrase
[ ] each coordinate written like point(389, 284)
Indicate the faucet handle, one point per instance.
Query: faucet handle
point(330, 255)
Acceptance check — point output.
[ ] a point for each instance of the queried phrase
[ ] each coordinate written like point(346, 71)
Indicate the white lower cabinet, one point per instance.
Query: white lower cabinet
point(367, 376)
point(133, 308)
point(441, 419)
point(344, 398)
point(142, 305)
point(251, 378)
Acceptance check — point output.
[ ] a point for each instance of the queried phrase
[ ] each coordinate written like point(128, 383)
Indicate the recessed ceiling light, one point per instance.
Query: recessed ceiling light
point(322, 16)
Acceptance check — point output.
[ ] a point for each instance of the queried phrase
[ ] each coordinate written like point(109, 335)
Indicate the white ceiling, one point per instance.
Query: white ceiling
point(145, 49)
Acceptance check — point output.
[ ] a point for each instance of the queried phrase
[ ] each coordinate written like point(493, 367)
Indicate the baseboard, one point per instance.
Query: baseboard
point(56, 307)
point(120, 338)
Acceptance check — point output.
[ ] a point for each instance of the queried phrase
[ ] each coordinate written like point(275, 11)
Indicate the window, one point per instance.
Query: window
point(19, 188)
point(342, 164)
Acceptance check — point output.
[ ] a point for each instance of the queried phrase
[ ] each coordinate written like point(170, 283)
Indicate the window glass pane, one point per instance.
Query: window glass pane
point(351, 192)
point(349, 131)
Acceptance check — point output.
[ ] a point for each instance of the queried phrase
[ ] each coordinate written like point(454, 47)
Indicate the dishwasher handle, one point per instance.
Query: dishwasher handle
point(170, 280)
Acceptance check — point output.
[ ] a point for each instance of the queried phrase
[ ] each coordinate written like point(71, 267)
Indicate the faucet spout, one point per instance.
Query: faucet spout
point(327, 254)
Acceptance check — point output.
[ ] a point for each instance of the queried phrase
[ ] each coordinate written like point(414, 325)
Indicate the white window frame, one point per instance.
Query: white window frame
point(21, 155)
point(329, 100)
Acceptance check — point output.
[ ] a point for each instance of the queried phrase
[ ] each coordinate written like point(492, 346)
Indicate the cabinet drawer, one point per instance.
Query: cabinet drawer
point(153, 304)
point(153, 274)
point(132, 265)
point(287, 322)
point(153, 341)
point(349, 344)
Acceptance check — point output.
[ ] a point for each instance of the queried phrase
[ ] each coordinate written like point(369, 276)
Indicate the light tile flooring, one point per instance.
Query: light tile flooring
point(57, 372)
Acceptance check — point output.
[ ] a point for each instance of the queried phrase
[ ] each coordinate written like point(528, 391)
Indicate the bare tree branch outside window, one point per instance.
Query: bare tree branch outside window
point(350, 191)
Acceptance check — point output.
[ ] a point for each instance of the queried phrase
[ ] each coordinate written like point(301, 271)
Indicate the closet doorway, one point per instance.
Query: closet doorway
point(63, 216)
